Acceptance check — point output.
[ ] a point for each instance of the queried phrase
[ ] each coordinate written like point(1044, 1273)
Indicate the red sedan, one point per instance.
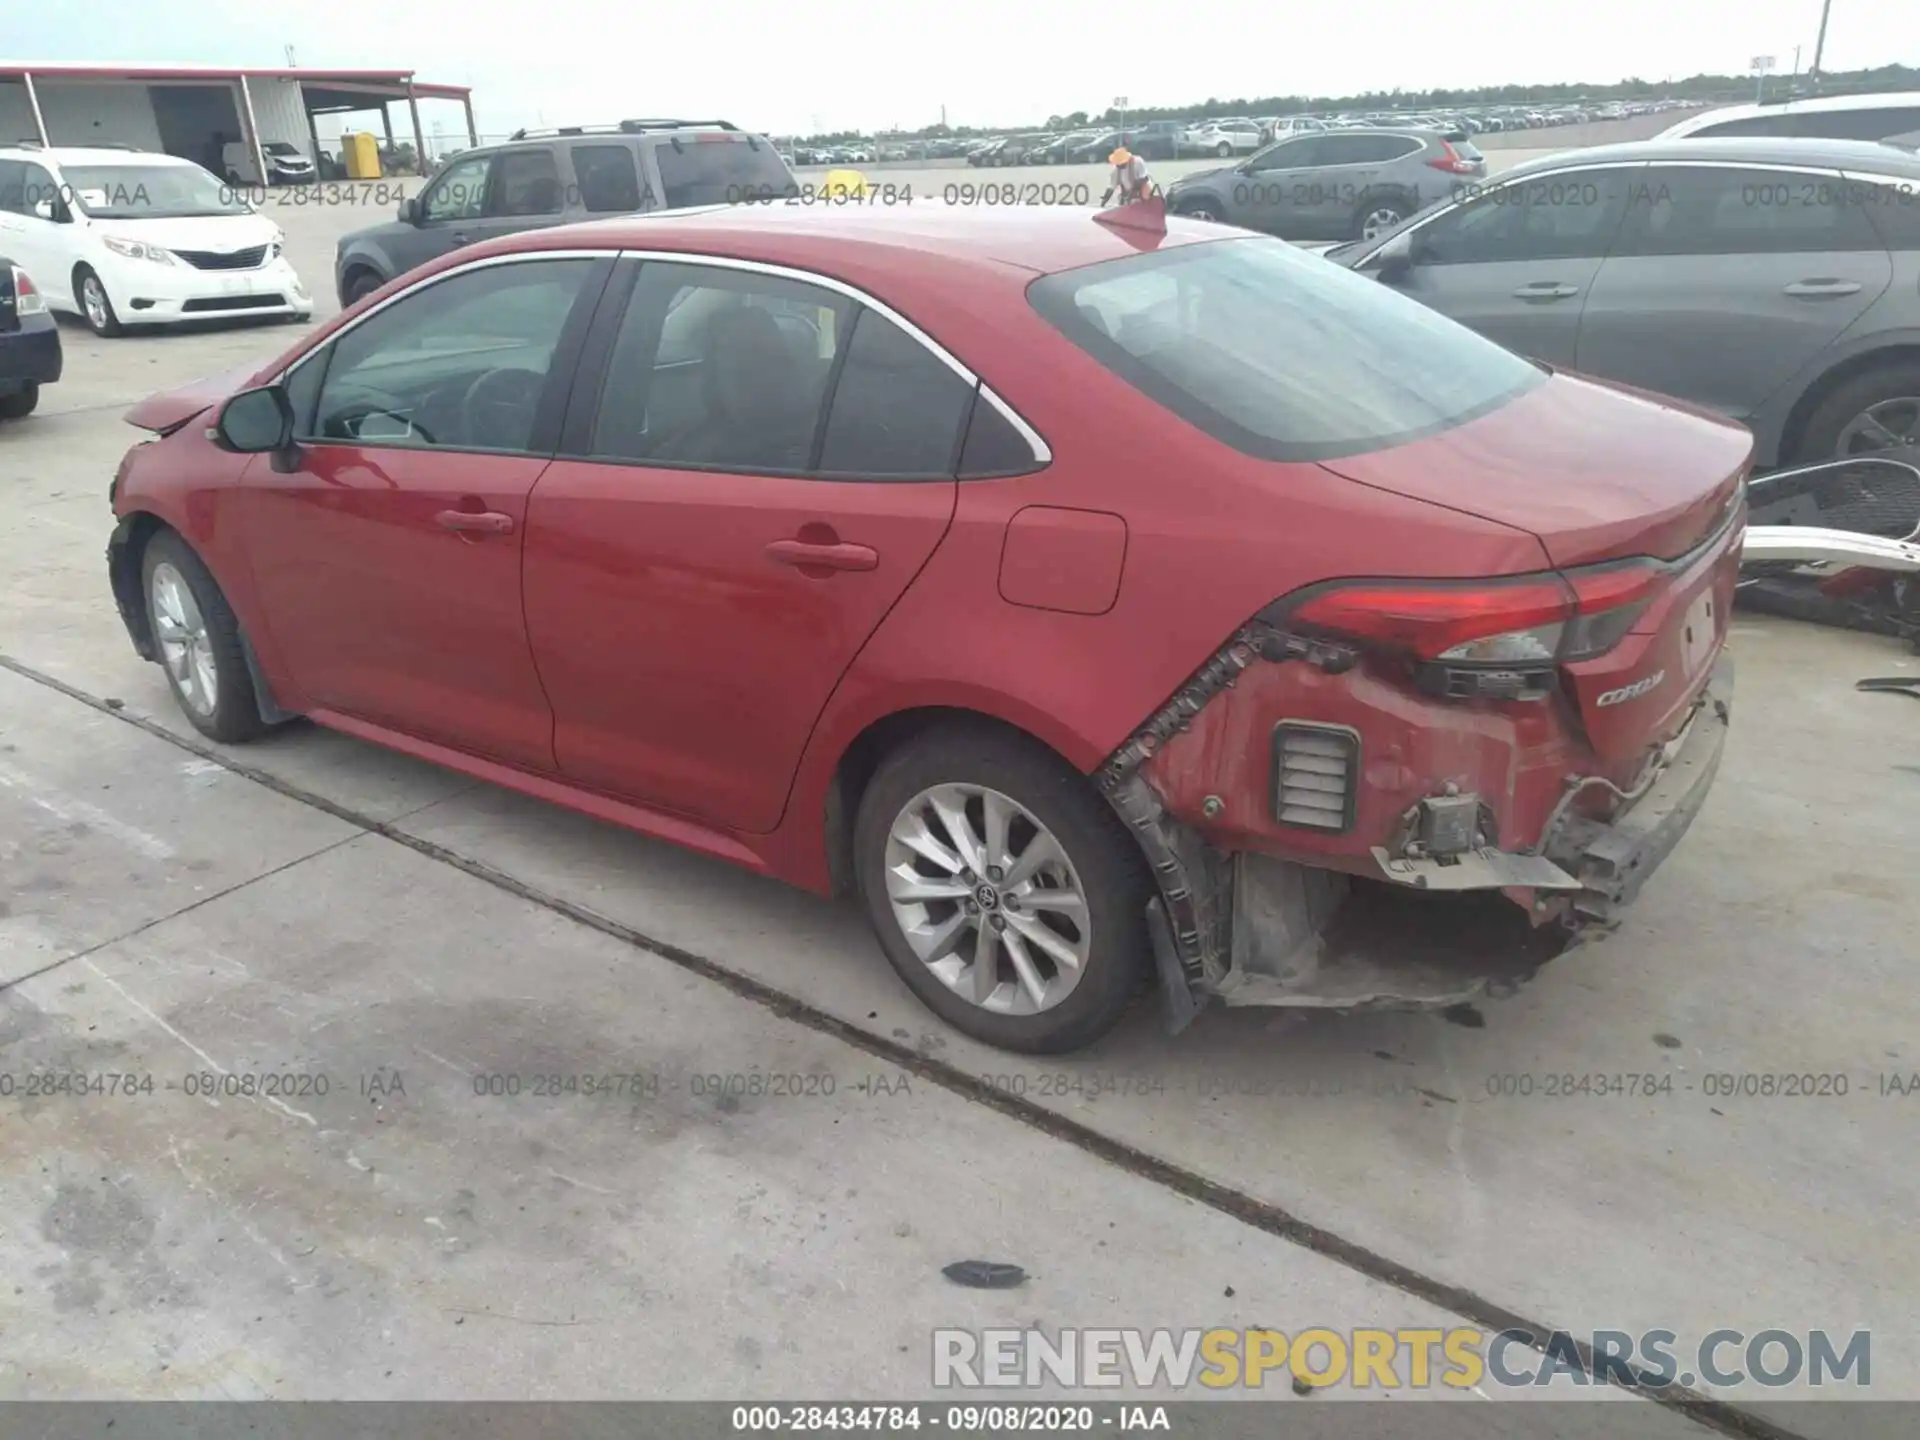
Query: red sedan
point(1096, 603)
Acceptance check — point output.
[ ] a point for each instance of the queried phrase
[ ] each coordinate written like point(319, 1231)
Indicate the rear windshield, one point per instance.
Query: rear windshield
point(721, 172)
point(1279, 353)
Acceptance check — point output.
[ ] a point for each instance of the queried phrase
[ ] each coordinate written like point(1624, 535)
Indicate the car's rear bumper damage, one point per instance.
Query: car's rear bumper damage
point(1247, 928)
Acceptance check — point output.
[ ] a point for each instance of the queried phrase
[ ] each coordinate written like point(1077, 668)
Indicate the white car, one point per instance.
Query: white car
point(123, 237)
point(286, 165)
point(1222, 140)
point(1892, 118)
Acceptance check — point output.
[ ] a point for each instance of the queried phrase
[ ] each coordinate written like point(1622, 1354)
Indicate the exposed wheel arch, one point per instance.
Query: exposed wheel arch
point(1793, 432)
point(126, 557)
point(863, 757)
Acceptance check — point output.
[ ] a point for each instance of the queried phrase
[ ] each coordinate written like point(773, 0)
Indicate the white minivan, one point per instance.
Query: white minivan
point(123, 237)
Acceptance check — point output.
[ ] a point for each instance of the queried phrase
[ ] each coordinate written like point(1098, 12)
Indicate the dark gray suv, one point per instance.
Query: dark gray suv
point(555, 177)
point(1775, 281)
point(1333, 186)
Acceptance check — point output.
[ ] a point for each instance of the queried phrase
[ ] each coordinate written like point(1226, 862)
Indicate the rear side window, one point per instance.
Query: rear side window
point(608, 178)
point(1364, 149)
point(1711, 210)
point(896, 409)
point(1279, 353)
point(993, 446)
point(720, 169)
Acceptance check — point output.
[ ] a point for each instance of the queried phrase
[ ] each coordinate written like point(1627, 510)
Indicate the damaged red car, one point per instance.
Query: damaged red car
point(1108, 608)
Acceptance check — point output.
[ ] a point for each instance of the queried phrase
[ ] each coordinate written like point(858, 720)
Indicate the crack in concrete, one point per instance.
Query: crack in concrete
point(1718, 1415)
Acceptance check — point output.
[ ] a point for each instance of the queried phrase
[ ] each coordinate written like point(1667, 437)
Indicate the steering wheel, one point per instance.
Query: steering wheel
point(496, 410)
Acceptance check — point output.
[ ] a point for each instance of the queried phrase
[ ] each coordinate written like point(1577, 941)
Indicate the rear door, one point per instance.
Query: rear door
point(764, 470)
point(1726, 281)
point(1348, 174)
point(1517, 262)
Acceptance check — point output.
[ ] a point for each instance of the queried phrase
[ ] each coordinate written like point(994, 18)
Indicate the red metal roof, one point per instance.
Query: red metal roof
point(55, 70)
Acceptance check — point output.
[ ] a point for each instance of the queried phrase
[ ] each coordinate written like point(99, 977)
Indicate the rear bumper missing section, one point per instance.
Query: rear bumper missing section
point(1290, 935)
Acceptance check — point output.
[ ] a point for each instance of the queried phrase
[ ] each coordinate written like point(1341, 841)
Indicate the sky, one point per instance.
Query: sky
point(851, 64)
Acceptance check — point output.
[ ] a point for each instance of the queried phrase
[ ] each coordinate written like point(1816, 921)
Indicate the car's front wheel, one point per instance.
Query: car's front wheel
point(197, 640)
point(1004, 891)
point(95, 304)
point(1203, 208)
point(359, 285)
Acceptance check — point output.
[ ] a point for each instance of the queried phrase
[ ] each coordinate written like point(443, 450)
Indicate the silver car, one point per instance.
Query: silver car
point(1332, 186)
point(1774, 281)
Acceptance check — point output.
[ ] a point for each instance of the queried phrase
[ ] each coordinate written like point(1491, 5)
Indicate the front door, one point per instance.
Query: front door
point(450, 211)
point(388, 561)
point(1517, 262)
point(766, 469)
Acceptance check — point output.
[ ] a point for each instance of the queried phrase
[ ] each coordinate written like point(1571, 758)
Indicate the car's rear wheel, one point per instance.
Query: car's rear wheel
point(1874, 413)
point(95, 305)
point(20, 403)
point(1004, 892)
point(198, 642)
point(1376, 217)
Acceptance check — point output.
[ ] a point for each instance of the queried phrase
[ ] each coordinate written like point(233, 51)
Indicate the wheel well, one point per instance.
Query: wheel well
point(1794, 430)
point(357, 268)
point(124, 563)
point(864, 756)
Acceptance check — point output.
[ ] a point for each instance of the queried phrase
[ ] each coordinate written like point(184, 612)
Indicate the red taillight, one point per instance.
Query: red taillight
point(1528, 620)
point(1453, 162)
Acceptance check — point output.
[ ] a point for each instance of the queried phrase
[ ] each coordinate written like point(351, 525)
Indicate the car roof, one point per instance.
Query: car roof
point(1813, 105)
point(1038, 239)
point(90, 155)
point(1862, 155)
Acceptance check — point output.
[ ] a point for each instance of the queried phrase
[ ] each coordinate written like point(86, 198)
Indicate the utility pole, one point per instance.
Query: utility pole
point(1819, 44)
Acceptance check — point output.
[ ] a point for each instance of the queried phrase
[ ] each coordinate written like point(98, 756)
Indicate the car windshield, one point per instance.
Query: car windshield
point(719, 171)
point(281, 147)
point(149, 192)
point(1278, 352)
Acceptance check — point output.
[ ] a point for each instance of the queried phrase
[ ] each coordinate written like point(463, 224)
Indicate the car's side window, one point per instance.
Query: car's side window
point(993, 445)
point(1893, 208)
point(896, 407)
point(460, 191)
point(459, 364)
point(1884, 122)
point(1571, 215)
point(13, 188)
point(720, 369)
point(608, 178)
point(1301, 154)
point(1715, 210)
point(1355, 149)
point(525, 182)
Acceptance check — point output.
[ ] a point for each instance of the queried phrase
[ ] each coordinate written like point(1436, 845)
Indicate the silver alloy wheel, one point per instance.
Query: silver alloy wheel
point(185, 647)
point(988, 899)
point(1890, 425)
point(93, 296)
point(1378, 222)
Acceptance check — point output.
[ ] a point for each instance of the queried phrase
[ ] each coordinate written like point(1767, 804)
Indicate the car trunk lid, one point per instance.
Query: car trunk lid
point(1598, 471)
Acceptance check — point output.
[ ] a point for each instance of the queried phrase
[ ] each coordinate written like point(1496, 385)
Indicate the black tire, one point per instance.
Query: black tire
point(359, 285)
point(1223, 150)
point(235, 717)
point(1109, 866)
point(1204, 209)
point(20, 403)
point(1379, 206)
point(109, 326)
point(1819, 438)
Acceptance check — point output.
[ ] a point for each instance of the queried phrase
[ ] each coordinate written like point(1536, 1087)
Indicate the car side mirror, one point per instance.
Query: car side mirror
point(1393, 260)
point(255, 422)
point(410, 210)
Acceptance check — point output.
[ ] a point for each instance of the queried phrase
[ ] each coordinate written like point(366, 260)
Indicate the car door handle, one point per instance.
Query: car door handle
point(489, 522)
point(1821, 289)
point(803, 553)
point(1546, 290)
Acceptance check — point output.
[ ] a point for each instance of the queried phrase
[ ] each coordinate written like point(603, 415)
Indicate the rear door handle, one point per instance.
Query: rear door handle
point(1821, 289)
point(802, 553)
point(1546, 290)
point(490, 522)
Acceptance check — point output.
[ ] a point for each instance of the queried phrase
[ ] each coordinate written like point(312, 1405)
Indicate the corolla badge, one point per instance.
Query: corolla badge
point(1633, 691)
